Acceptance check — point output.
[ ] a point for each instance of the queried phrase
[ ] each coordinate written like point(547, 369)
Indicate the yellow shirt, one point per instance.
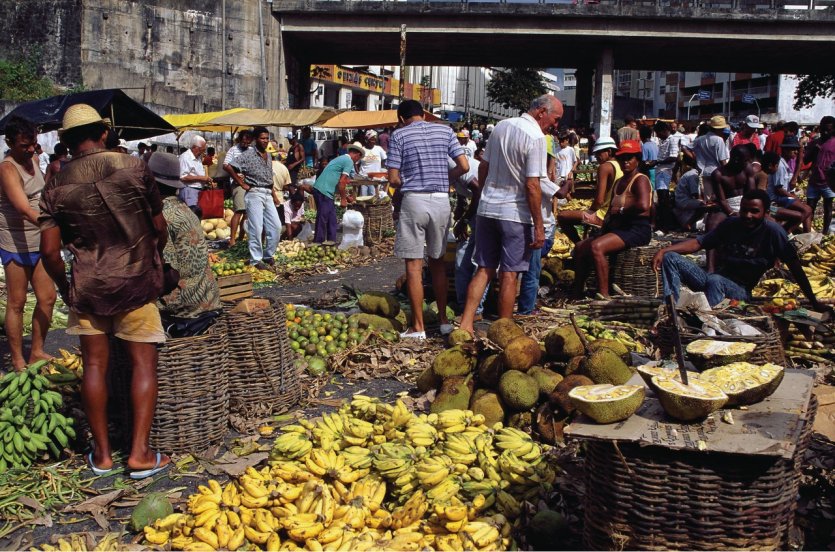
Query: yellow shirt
point(601, 212)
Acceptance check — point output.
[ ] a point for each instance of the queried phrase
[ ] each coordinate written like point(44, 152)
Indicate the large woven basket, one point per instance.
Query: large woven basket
point(769, 343)
point(192, 411)
point(631, 270)
point(654, 498)
point(379, 222)
point(263, 377)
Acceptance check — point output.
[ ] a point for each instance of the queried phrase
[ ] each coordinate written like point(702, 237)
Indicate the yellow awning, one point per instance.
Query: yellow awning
point(198, 121)
point(369, 119)
point(276, 117)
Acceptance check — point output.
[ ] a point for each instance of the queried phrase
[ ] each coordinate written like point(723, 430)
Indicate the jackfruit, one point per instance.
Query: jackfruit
point(455, 394)
point(612, 344)
point(456, 361)
point(428, 380)
point(648, 371)
point(521, 353)
point(559, 396)
point(606, 404)
point(503, 331)
point(745, 383)
point(688, 402)
point(574, 365)
point(490, 369)
point(549, 425)
point(545, 378)
point(376, 322)
point(562, 343)
point(709, 353)
point(379, 303)
point(489, 405)
point(545, 530)
point(518, 390)
point(459, 336)
point(606, 366)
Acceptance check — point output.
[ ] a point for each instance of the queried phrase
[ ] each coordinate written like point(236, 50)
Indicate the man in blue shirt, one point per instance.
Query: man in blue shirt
point(649, 154)
point(747, 246)
point(418, 168)
point(311, 150)
point(335, 176)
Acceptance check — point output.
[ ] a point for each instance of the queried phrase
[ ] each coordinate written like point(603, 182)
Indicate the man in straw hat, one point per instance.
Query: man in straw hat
point(105, 208)
point(710, 149)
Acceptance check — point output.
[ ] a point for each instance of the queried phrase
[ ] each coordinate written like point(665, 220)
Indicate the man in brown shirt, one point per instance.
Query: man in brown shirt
point(105, 208)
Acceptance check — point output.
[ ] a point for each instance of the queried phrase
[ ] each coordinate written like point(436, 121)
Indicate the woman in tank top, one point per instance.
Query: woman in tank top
point(607, 174)
point(295, 158)
point(627, 223)
point(21, 182)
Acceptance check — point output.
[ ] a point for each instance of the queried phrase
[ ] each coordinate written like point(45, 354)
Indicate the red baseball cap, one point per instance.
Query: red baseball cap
point(628, 146)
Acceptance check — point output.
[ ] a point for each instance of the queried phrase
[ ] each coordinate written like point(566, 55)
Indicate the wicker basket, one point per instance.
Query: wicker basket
point(263, 378)
point(192, 411)
point(769, 343)
point(379, 222)
point(654, 498)
point(631, 270)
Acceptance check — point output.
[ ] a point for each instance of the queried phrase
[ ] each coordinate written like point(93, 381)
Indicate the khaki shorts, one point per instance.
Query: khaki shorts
point(142, 325)
point(238, 201)
point(424, 222)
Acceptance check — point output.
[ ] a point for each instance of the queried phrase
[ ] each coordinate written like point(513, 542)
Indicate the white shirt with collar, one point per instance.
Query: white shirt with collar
point(190, 165)
point(515, 152)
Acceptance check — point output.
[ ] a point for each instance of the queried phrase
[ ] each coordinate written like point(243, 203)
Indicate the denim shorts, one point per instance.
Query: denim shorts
point(813, 192)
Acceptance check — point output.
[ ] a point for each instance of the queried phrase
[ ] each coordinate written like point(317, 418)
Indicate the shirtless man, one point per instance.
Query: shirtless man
point(728, 183)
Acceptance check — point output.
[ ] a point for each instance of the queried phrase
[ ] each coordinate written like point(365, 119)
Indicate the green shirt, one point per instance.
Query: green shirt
point(327, 181)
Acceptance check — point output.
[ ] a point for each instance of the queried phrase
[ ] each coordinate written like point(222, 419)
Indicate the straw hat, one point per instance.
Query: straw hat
point(718, 122)
point(79, 115)
point(356, 146)
point(603, 144)
point(166, 169)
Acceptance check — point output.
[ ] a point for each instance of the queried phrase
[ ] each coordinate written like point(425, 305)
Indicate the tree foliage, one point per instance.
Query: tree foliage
point(19, 80)
point(516, 87)
point(810, 87)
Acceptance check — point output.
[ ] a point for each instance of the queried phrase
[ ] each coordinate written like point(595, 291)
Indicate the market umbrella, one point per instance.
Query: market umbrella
point(130, 119)
point(200, 121)
point(276, 117)
point(369, 119)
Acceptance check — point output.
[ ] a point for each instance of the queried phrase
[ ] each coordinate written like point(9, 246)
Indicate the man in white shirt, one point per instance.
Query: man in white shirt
point(373, 161)
point(566, 159)
point(192, 173)
point(710, 149)
point(509, 223)
point(463, 136)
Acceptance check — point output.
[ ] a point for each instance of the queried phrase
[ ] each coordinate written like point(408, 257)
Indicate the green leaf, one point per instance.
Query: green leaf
point(515, 87)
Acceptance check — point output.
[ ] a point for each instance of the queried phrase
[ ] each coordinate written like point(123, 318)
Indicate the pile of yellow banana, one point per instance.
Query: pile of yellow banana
point(78, 543)
point(819, 264)
point(776, 287)
point(562, 246)
point(576, 205)
point(371, 476)
point(64, 369)
point(262, 275)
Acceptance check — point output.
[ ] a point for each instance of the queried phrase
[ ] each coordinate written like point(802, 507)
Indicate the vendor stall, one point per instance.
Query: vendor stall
point(370, 119)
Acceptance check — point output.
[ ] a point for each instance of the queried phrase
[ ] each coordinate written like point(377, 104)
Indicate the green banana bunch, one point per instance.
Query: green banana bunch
point(30, 424)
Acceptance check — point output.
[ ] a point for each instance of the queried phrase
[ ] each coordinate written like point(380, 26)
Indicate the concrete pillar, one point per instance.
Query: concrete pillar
point(582, 96)
point(604, 93)
point(345, 96)
point(373, 102)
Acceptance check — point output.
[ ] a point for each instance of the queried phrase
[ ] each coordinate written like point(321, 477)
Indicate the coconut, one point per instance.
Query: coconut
point(605, 403)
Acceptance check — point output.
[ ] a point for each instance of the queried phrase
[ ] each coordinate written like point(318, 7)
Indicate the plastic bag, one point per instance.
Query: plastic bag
point(306, 232)
point(352, 223)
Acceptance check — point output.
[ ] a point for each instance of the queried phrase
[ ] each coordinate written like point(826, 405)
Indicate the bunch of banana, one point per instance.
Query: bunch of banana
point(519, 443)
point(432, 470)
point(576, 205)
point(776, 287)
point(66, 369)
point(364, 407)
point(624, 332)
point(328, 431)
point(392, 460)
point(260, 275)
point(78, 543)
point(30, 424)
point(823, 285)
point(421, 434)
point(293, 443)
point(562, 246)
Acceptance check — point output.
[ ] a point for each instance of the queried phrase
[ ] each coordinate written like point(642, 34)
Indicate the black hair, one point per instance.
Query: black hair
point(153, 147)
point(259, 130)
point(827, 120)
point(645, 133)
point(210, 150)
point(167, 191)
point(770, 158)
point(757, 194)
point(661, 126)
point(792, 127)
point(409, 109)
point(244, 133)
point(628, 119)
point(112, 140)
point(75, 136)
point(20, 126)
point(60, 149)
point(298, 195)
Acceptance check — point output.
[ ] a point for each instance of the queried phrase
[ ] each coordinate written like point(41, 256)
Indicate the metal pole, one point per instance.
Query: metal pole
point(688, 106)
point(402, 90)
point(263, 59)
point(758, 108)
point(223, 55)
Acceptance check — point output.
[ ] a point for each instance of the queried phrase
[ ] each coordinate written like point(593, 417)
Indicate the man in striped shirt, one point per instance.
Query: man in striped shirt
point(418, 169)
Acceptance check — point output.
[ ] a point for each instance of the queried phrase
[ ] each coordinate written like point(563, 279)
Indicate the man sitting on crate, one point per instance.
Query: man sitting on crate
point(106, 209)
point(747, 246)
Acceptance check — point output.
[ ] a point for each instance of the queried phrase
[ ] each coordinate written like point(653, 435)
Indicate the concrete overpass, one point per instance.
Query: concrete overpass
point(758, 36)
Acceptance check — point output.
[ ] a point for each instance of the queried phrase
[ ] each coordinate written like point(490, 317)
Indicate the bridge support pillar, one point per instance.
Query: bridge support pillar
point(584, 90)
point(604, 92)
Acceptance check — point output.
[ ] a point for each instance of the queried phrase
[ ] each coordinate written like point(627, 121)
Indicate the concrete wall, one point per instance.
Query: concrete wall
point(165, 53)
point(806, 116)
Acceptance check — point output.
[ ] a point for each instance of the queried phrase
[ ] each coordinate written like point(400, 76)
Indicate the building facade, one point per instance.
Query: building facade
point(364, 88)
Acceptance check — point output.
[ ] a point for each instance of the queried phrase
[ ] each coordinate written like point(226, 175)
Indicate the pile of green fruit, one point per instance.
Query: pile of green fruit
point(30, 424)
point(321, 334)
point(229, 268)
point(316, 254)
point(526, 384)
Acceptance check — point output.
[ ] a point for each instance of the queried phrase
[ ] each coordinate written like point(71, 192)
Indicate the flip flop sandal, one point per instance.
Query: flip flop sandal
point(144, 474)
point(94, 469)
